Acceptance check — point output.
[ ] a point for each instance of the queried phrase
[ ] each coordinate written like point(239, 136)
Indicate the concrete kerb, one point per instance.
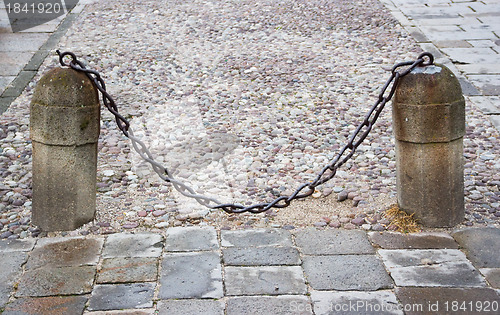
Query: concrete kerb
point(29, 70)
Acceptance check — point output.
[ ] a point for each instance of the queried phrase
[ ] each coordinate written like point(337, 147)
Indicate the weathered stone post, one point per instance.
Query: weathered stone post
point(429, 125)
point(64, 127)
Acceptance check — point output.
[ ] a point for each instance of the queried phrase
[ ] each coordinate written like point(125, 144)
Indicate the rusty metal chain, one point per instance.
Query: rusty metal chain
point(303, 190)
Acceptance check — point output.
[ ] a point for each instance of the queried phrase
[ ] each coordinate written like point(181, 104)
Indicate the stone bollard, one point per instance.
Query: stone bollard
point(64, 127)
point(429, 124)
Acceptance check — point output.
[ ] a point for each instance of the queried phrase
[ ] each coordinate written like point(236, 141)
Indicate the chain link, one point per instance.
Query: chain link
point(304, 190)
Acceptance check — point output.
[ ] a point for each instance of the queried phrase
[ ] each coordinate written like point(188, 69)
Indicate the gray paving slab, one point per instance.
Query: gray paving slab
point(479, 68)
point(444, 300)
point(455, 43)
point(332, 242)
point(261, 256)
point(60, 305)
point(482, 43)
point(191, 275)
point(467, 87)
point(488, 84)
point(9, 272)
point(61, 252)
point(264, 280)
point(495, 120)
point(13, 62)
point(346, 272)
point(355, 302)
point(265, 305)
point(128, 269)
point(393, 240)
point(492, 276)
point(472, 55)
point(481, 245)
point(184, 239)
point(18, 84)
point(121, 296)
point(22, 42)
point(487, 104)
point(5, 102)
point(49, 281)
point(417, 35)
point(24, 245)
point(431, 268)
point(36, 60)
point(257, 237)
point(191, 307)
point(133, 245)
point(5, 81)
point(148, 311)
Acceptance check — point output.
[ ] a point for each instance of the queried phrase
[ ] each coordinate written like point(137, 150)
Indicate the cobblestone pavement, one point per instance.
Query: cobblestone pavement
point(201, 270)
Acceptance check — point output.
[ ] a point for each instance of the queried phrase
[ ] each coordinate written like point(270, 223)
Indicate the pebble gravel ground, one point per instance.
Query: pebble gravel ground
point(243, 100)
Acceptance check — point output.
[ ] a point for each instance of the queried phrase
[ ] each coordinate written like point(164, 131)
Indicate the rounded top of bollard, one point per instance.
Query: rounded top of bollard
point(64, 87)
point(428, 85)
point(65, 109)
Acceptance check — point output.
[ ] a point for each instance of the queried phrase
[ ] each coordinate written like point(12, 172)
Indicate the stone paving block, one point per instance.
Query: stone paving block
point(484, 43)
point(149, 311)
point(17, 86)
point(480, 68)
point(265, 305)
point(121, 296)
point(488, 84)
point(5, 81)
point(24, 245)
point(492, 275)
point(392, 240)
point(49, 281)
point(467, 87)
point(9, 272)
point(355, 302)
point(442, 300)
point(482, 246)
point(22, 42)
point(471, 55)
point(125, 269)
point(487, 104)
point(257, 237)
point(431, 268)
point(133, 245)
point(346, 272)
point(60, 305)
point(190, 307)
point(191, 275)
point(332, 242)
point(13, 62)
point(62, 252)
point(269, 280)
point(495, 121)
point(184, 239)
point(434, 34)
point(260, 256)
point(5, 103)
point(453, 43)
point(417, 34)
point(36, 60)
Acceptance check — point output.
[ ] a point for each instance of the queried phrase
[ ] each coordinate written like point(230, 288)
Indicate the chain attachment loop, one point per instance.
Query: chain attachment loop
point(304, 190)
